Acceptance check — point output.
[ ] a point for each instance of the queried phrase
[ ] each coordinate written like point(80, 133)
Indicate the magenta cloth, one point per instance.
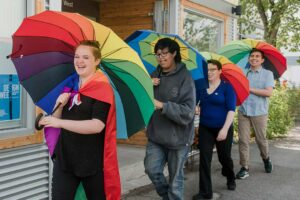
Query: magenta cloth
point(51, 136)
point(73, 93)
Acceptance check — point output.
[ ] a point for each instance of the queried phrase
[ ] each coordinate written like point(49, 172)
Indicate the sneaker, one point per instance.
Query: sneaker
point(243, 173)
point(268, 165)
point(231, 185)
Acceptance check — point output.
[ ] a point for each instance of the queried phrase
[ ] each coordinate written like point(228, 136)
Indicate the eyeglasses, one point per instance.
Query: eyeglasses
point(213, 69)
point(162, 54)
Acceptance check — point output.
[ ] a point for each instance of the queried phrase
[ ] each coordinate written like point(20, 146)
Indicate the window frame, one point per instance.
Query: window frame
point(25, 134)
point(220, 25)
point(205, 11)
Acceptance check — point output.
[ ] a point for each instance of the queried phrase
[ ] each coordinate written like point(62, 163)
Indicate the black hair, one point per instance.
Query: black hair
point(257, 50)
point(172, 45)
point(92, 43)
point(215, 62)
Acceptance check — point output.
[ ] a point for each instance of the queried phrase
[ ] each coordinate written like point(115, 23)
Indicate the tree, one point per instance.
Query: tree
point(278, 18)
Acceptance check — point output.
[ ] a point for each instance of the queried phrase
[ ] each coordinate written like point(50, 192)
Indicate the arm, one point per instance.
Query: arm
point(223, 132)
point(94, 125)
point(78, 126)
point(230, 105)
point(63, 99)
point(268, 86)
point(266, 92)
point(182, 112)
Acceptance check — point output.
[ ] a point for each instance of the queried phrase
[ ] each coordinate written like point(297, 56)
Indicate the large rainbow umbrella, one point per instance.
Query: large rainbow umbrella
point(143, 42)
point(238, 52)
point(43, 52)
point(233, 74)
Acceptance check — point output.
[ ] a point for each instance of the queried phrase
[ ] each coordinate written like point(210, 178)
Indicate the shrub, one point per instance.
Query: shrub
point(280, 117)
point(284, 107)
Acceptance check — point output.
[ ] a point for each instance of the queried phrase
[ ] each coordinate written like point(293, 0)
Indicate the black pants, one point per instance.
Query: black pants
point(64, 185)
point(207, 139)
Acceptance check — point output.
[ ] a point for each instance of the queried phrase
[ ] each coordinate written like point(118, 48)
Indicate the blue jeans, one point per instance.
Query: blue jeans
point(156, 158)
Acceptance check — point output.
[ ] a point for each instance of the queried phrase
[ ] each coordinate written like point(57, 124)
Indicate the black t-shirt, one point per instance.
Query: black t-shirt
point(82, 154)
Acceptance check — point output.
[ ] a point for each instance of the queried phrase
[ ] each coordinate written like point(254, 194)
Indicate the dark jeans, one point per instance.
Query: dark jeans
point(156, 158)
point(207, 139)
point(64, 185)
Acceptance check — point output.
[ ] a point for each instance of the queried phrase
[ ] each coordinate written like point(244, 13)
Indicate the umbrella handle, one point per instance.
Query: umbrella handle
point(41, 115)
point(37, 120)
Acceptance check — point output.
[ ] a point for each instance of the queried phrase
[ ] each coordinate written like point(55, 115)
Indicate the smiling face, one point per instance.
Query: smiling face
point(214, 73)
point(256, 59)
point(85, 62)
point(166, 59)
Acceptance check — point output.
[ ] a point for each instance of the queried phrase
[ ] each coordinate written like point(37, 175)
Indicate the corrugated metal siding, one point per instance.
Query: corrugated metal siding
point(24, 173)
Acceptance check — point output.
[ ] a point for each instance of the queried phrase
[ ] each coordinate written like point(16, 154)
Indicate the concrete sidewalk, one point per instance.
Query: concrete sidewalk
point(282, 183)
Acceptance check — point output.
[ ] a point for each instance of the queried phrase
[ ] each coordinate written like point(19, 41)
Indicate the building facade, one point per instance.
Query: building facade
point(24, 162)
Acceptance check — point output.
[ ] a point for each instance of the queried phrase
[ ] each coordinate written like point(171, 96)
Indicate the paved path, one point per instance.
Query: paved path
point(282, 184)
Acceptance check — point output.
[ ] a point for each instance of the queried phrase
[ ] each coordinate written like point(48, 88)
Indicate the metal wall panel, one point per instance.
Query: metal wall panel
point(24, 173)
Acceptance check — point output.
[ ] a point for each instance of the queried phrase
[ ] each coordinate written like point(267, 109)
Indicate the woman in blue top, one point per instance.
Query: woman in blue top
point(217, 105)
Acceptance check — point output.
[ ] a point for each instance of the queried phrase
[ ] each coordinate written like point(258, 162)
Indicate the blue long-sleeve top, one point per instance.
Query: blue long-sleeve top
point(215, 106)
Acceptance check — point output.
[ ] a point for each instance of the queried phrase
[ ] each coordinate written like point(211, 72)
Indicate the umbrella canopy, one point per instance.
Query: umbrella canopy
point(238, 52)
point(233, 74)
point(143, 42)
point(43, 51)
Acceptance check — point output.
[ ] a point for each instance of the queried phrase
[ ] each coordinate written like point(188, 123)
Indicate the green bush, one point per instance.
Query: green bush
point(284, 107)
point(280, 117)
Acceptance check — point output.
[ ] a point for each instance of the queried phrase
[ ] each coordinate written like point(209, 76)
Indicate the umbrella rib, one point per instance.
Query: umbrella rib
point(105, 40)
point(85, 37)
point(71, 47)
point(119, 70)
point(112, 52)
point(72, 36)
point(149, 43)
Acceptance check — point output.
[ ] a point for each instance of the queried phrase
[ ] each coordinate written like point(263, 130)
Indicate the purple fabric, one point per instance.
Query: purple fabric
point(39, 62)
point(73, 93)
point(51, 136)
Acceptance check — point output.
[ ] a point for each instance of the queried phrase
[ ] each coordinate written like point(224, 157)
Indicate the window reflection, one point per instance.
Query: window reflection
point(202, 32)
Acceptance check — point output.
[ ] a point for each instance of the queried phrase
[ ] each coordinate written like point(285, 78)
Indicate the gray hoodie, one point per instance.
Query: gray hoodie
point(173, 126)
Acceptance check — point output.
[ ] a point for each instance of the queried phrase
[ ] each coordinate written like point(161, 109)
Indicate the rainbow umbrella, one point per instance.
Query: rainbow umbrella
point(43, 52)
point(233, 74)
point(238, 52)
point(143, 42)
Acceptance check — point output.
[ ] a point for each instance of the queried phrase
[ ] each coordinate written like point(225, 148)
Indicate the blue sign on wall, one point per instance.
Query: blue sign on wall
point(10, 102)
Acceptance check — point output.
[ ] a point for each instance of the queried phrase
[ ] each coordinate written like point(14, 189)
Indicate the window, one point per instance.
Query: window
point(17, 111)
point(202, 32)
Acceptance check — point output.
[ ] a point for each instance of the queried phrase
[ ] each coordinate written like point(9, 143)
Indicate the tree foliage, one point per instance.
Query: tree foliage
point(279, 18)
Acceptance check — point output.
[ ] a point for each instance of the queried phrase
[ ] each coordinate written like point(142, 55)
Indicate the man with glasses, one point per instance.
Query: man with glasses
point(171, 128)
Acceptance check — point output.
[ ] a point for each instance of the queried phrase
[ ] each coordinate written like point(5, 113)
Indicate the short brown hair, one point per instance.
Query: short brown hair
point(257, 50)
point(94, 44)
point(215, 62)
